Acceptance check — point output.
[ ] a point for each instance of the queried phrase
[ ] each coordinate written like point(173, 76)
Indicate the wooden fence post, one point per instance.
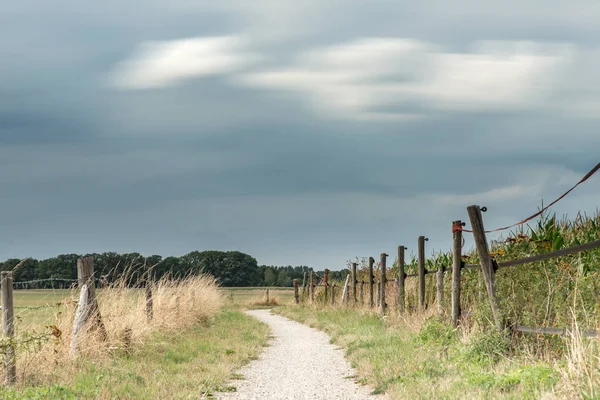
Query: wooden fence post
point(267, 296)
point(383, 281)
point(296, 296)
point(325, 282)
point(332, 295)
point(345, 290)
point(347, 295)
point(354, 282)
point(149, 309)
point(440, 290)
point(456, 269)
point(81, 316)
point(401, 277)
point(361, 292)
point(371, 277)
point(487, 266)
point(421, 255)
point(304, 287)
point(88, 303)
point(8, 327)
point(311, 289)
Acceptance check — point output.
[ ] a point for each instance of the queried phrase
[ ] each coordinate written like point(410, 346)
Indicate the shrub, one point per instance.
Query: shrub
point(435, 331)
point(489, 347)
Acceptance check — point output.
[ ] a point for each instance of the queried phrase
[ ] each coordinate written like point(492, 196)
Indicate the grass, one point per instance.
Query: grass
point(190, 349)
point(197, 340)
point(36, 308)
point(561, 292)
point(43, 335)
point(189, 364)
point(426, 359)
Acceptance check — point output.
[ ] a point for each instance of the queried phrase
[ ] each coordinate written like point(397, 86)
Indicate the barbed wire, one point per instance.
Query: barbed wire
point(45, 280)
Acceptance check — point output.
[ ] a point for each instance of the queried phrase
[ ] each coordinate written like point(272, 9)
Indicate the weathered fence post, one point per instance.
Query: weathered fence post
point(267, 296)
point(304, 287)
point(440, 290)
point(422, 272)
point(296, 295)
point(347, 294)
point(371, 277)
point(325, 282)
point(149, 310)
point(354, 282)
point(8, 327)
point(345, 290)
point(81, 316)
point(456, 269)
point(383, 281)
point(332, 295)
point(87, 309)
point(311, 289)
point(361, 292)
point(401, 277)
point(487, 265)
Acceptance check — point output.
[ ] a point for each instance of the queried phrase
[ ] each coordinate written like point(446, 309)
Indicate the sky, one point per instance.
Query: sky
point(300, 132)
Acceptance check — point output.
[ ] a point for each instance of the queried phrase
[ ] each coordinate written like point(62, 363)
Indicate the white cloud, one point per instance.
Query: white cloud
point(380, 78)
point(361, 78)
point(165, 63)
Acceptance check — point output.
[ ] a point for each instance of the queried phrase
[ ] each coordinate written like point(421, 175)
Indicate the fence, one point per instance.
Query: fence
point(87, 318)
point(487, 264)
point(354, 292)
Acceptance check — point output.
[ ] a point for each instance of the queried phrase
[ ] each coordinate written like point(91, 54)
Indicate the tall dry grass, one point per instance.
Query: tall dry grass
point(43, 354)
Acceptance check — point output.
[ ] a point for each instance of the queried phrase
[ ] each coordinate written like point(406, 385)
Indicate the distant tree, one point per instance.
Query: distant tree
point(230, 268)
point(270, 278)
point(283, 279)
point(170, 265)
point(26, 272)
point(62, 266)
point(191, 263)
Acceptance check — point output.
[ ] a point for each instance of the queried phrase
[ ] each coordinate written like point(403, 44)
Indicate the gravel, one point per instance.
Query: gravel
point(300, 363)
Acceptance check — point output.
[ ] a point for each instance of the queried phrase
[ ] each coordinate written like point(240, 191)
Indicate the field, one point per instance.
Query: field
point(188, 349)
point(36, 308)
point(39, 307)
point(257, 296)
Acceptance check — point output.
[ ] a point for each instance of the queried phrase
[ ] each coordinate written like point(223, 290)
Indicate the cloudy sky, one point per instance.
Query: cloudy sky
point(301, 132)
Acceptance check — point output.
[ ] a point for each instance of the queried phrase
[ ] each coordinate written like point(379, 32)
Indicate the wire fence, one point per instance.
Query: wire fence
point(354, 293)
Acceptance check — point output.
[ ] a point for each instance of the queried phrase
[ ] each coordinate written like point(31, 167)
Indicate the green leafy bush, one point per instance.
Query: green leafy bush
point(435, 331)
point(489, 347)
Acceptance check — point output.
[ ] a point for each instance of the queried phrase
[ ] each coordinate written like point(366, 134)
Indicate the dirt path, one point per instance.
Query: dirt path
point(300, 363)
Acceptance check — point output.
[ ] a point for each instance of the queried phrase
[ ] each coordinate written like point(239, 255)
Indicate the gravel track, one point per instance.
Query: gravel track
point(300, 363)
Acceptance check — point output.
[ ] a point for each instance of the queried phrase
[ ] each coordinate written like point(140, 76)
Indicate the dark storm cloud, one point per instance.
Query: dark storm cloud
point(213, 162)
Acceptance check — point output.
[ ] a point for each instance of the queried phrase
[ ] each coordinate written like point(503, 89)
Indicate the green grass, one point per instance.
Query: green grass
point(36, 308)
point(433, 363)
point(176, 366)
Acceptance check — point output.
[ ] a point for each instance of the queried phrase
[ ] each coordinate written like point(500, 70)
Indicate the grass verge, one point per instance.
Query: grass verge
point(432, 361)
point(191, 364)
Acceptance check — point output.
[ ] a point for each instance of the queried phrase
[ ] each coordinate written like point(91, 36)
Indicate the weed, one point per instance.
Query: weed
point(435, 331)
point(488, 348)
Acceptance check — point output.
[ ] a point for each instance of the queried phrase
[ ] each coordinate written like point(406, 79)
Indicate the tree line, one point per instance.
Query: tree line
point(230, 268)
